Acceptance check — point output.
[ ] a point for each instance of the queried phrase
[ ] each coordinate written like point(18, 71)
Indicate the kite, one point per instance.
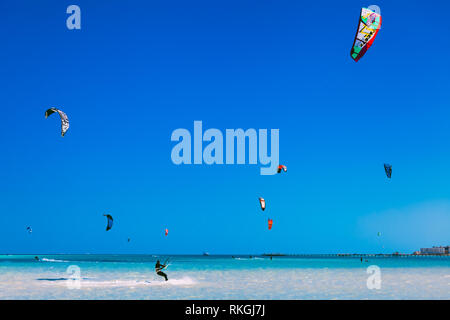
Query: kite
point(110, 221)
point(262, 202)
point(388, 170)
point(369, 24)
point(281, 167)
point(167, 232)
point(29, 230)
point(64, 119)
point(270, 223)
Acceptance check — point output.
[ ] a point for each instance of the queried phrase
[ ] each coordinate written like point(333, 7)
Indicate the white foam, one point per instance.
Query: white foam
point(185, 281)
point(181, 282)
point(53, 260)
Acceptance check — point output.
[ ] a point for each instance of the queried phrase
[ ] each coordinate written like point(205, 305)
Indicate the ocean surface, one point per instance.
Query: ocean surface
point(223, 277)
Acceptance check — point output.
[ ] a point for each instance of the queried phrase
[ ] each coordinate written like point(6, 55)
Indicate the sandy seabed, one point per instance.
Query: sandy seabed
point(396, 283)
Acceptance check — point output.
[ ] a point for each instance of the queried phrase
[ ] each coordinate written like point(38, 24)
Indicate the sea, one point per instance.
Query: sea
point(310, 277)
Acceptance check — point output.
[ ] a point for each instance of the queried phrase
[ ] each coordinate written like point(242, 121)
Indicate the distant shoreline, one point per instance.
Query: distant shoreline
point(359, 254)
point(355, 254)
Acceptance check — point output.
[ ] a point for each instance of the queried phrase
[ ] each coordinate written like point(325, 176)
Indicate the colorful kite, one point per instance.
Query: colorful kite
point(369, 24)
point(281, 167)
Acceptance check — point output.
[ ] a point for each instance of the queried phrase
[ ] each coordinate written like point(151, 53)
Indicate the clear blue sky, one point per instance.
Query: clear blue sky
point(137, 70)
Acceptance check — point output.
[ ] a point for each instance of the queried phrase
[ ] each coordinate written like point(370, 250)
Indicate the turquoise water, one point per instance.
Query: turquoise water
point(221, 277)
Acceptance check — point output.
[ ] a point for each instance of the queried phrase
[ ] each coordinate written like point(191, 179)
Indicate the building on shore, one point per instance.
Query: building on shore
point(435, 250)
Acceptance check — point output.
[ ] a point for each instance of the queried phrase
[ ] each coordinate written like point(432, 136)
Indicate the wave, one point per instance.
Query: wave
point(53, 260)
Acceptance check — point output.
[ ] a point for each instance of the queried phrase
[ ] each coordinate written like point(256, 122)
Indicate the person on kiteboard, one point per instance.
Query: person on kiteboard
point(158, 268)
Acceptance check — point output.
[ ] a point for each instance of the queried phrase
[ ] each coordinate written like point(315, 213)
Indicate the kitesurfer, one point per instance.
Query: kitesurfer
point(158, 268)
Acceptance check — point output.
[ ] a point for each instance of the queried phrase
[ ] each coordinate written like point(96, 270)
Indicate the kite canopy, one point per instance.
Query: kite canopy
point(166, 231)
point(270, 222)
point(262, 202)
point(388, 170)
point(281, 167)
point(110, 221)
point(64, 119)
point(369, 24)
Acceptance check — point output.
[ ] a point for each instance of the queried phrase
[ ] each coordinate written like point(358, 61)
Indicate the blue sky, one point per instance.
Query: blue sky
point(137, 70)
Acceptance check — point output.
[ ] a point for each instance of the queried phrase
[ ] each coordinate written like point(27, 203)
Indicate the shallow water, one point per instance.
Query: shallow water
point(221, 277)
